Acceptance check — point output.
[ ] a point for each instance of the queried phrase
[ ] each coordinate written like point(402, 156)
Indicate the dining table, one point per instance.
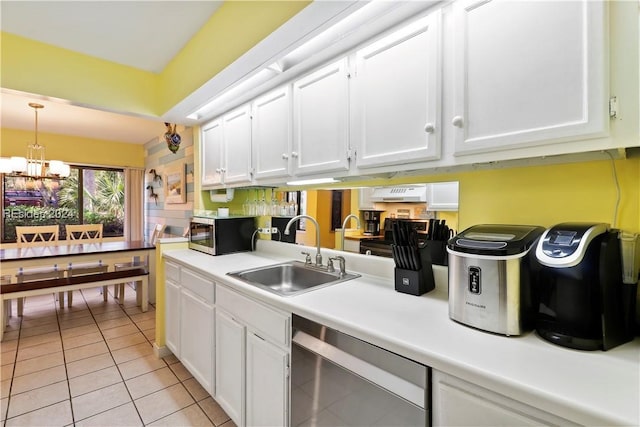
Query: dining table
point(13, 259)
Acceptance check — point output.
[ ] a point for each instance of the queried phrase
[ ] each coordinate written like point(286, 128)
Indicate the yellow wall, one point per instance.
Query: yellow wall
point(232, 30)
point(73, 149)
point(35, 67)
point(547, 195)
point(543, 195)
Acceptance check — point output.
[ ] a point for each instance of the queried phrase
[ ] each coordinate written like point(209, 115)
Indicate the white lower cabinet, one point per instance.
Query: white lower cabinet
point(252, 360)
point(230, 338)
point(237, 348)
point(172, 308)
point(267, 383)
point(189, 322)
point(456, 402)
point(196, 337)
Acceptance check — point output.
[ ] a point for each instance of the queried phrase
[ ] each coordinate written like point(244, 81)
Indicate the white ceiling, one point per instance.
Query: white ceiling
point(142, 34)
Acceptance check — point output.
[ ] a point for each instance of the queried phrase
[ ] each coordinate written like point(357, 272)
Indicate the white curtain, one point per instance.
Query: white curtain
point(134, 204)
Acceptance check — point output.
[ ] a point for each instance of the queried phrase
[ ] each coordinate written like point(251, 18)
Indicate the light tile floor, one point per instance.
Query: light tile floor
point(93, 365)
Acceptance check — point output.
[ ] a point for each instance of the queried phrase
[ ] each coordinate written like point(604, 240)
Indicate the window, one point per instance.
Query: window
point(87, 196)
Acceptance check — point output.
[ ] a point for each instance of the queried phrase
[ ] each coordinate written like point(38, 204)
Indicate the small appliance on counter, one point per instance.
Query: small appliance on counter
point(491, 270)
point(371, 222)
point(220, 236)
point(584, 303)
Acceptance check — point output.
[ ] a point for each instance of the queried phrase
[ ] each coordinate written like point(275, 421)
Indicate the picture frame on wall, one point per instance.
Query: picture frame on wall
point(175, 185)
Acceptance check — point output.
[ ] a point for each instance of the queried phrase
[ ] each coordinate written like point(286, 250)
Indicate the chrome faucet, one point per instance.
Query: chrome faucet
point(342, 262)
point(297, 217)
point(344, 224)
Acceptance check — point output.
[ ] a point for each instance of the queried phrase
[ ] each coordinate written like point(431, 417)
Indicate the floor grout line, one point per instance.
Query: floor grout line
point(61, 319)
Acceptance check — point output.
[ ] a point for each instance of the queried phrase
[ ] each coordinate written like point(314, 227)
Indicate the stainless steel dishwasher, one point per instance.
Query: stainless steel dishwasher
point(339, 380)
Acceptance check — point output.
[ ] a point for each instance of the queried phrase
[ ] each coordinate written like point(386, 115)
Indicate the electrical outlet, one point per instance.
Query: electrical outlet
point(264, 230)
point(274, 230)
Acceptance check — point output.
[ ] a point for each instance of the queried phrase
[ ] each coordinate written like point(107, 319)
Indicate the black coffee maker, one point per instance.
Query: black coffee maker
point(583, 303)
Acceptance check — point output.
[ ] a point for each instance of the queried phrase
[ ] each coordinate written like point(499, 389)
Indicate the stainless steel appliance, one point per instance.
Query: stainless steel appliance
point(339, 380)
point(371, 222)
point(219, 236)
point(584, 303)
point(490, 275)
point(382, 247)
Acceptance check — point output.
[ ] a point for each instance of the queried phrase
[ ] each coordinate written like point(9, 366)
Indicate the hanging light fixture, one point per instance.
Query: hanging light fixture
point(35, 165)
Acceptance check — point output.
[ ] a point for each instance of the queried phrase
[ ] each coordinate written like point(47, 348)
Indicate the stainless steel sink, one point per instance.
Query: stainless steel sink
point(290, 278)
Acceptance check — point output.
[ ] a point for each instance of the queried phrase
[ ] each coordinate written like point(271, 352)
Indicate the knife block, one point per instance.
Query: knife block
point(438, 251)
point(416, 282)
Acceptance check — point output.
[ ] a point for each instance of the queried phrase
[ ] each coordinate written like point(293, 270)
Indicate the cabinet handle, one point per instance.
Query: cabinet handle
point(457, 121)
point(218, 170)
point(223, 170)
point(429, 128)
point(285, 156)
point(294, 154)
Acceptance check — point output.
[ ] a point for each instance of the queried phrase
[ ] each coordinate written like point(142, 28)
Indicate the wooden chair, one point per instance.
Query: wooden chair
point(84, 232)
point(29, 236)
point(36, 235)
point(118, 290)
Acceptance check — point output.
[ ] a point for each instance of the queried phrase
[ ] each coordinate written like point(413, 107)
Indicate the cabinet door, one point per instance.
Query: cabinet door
point(267, 383)
point(196, 338)
point(271, 134)
point(212, 153)
point(320, 117)
point(528, 73)
point(459, 403)
point(396, 115)
point(230, 351)
point(172, 317)
point(237, 146)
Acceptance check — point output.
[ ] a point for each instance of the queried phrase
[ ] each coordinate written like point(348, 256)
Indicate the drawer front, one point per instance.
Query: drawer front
point(172, 271)
point(266, 322)
point(198, 284)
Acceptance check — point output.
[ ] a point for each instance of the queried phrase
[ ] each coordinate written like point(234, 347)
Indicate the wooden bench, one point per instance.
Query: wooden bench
point(43, 287)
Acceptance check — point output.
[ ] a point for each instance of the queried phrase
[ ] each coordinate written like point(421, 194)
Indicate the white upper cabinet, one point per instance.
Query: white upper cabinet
point(528, 73)
point(212, 153)
point(226, 149)
point(397, 93)
point(272, 133)
point(320, 120)
point(237, 145)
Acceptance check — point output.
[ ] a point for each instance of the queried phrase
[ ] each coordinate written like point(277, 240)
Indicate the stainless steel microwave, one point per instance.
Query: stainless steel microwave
point(219, 236)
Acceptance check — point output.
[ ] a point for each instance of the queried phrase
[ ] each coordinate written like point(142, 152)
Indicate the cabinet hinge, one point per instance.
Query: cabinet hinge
point(613, 107)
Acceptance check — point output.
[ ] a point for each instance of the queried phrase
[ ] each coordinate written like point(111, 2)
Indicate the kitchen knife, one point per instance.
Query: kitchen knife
point(436, 229)
point(430, 235)
point(394, 233)
point(394, 254)
point(406, 250)
point(416, 258)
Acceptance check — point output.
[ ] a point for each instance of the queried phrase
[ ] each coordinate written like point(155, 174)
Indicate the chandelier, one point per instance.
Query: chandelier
point(35, 165)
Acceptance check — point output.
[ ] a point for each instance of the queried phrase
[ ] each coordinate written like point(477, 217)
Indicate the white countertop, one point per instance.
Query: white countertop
point(596, 388)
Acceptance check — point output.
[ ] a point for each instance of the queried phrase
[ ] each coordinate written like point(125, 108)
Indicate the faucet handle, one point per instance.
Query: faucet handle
point(342, 262)
point(307, 258)
point(330, 267)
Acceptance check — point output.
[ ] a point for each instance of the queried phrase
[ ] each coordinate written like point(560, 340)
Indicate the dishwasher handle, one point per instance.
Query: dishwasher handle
point(384, 379)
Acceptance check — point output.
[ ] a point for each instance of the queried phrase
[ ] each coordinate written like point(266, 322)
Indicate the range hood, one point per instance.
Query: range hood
point(401, 193)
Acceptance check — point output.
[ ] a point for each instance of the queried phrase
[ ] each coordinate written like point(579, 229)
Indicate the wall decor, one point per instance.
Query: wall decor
point(172, 138)
point(152, 194)
point(174, 184)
